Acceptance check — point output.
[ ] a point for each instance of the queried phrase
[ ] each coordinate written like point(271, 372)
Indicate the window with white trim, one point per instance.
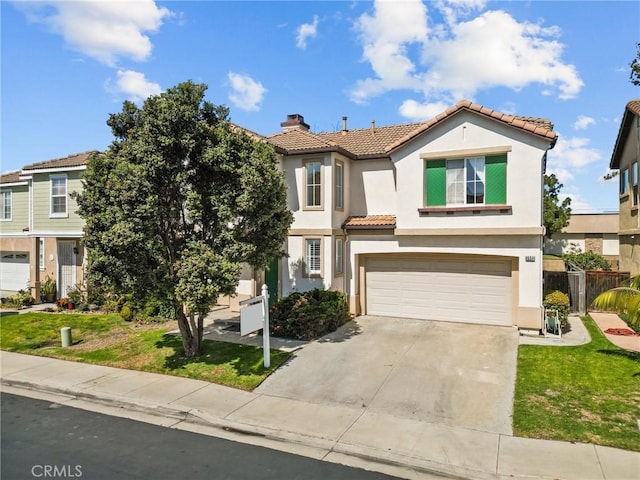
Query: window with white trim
point(465, 181)
point(6, 198)
point(313, 256)
point(41, 254)
point(313, 184)
point(339, 186)
point(634, 182)
point(339, 256)
point(58, 195)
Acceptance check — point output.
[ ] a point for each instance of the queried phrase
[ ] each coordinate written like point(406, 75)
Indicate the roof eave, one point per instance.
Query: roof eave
point(623, 132)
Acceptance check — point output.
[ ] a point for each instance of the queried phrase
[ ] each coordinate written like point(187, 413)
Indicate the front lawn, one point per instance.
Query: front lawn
point(588, 393)
point(108, 340)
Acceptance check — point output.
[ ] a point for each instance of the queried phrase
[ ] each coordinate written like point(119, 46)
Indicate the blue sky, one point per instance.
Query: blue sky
point(67, 64)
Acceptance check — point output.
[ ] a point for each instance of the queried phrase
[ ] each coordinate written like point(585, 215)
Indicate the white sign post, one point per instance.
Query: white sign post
point(254, 315)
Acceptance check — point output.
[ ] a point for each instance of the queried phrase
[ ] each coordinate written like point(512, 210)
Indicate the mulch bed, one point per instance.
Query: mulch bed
point(621, 331)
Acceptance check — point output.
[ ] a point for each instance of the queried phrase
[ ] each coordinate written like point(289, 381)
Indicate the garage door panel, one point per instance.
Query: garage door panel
point(474, 290)
point(14, 271)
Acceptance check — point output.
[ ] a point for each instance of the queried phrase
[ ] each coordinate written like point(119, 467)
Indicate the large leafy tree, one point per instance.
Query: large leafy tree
point(634, 76)
point(556, 212)
point(178, 202)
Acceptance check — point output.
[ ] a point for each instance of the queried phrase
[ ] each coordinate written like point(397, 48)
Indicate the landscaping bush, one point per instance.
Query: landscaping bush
point(558, 301)
point(308, 315)
point(22, 299)
point(587, 261)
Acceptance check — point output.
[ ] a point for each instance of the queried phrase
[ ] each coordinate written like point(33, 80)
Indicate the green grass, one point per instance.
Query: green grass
point(588, 393)
point(549, 256)
point(108, 340)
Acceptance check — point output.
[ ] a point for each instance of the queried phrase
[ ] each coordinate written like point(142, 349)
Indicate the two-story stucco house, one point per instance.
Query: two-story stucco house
point(438, 220)
point(41, 231)
point(625, 158)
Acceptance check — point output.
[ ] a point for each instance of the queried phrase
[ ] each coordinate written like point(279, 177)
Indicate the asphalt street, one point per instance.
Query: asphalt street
point(41, 439)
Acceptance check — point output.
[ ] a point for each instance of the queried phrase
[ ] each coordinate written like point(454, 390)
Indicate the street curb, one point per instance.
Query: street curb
point(197, 417)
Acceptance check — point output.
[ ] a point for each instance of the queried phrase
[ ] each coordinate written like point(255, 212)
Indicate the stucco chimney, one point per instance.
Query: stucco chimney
point(373, 127)
point(294, 121)
point(344, 125)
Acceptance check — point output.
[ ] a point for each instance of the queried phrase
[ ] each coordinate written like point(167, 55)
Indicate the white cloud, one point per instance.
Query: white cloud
point(569, 156)
point(305, 31)
point(246, 94)
point(583, 122)
point(104, 30)
point(453, 9)
point(421, 111)
point(134, 85)
point(407, 49)
point(385, 36)
point(579, 204)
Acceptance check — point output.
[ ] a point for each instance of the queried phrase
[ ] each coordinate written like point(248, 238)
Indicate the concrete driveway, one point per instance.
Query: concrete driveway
point(439, 372)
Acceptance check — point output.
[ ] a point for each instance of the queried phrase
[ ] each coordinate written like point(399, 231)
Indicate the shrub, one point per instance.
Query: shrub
point(308, 315)
point(587, 261)
point(22, 299)
point(558, 301)
point(126, 313)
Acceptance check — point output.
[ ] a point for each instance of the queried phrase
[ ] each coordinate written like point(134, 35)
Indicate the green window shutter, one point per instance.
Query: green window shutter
point(436, 183)
point(496, 179)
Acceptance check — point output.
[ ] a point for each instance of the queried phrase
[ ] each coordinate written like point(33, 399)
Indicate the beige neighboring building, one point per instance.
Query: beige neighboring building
point(40, 229)
point(588, 232)
point(625, 158)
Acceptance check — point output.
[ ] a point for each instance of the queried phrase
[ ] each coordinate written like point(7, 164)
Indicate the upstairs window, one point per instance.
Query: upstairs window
point(313, 185)
point(466, 181)
point(58, 195)
point(634, 182)
point(6, 205)
point(624, 181)
point(339, 186)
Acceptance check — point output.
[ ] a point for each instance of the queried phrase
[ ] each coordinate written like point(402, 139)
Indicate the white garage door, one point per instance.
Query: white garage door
point(473, 290)
point(14, 271)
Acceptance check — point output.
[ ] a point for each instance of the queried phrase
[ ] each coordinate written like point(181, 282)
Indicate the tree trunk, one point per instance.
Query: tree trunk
point(191, 340)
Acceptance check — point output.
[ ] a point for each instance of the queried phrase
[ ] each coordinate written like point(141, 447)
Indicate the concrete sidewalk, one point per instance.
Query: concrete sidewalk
point(407, 448)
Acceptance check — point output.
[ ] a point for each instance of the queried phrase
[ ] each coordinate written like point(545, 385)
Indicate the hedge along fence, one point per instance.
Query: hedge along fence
point(308, 315)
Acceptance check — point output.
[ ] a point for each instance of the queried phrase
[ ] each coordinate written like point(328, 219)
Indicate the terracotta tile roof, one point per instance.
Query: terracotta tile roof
point(370, 141)
point(370, 222)
point(298, 140)
point(537, 126)
point(381, 141)
point(631, 111)
point(10, 177)
point(74, 160)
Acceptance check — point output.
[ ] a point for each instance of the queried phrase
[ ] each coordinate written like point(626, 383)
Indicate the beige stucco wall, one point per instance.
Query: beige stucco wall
point(468, 132)
point(372, 188)
point(630, 254)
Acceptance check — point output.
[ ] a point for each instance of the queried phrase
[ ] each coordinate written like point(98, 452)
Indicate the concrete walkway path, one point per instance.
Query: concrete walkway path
point(606, 321)
point(348, 434)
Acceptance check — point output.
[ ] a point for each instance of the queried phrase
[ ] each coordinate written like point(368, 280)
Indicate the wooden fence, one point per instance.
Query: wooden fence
point(600, 281)
point(582, 287)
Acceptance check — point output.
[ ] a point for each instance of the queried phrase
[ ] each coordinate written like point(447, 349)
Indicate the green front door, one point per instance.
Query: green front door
point(271, 279)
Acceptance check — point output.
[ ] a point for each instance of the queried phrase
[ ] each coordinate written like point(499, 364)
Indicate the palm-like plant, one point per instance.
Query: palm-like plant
point(625, 299)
